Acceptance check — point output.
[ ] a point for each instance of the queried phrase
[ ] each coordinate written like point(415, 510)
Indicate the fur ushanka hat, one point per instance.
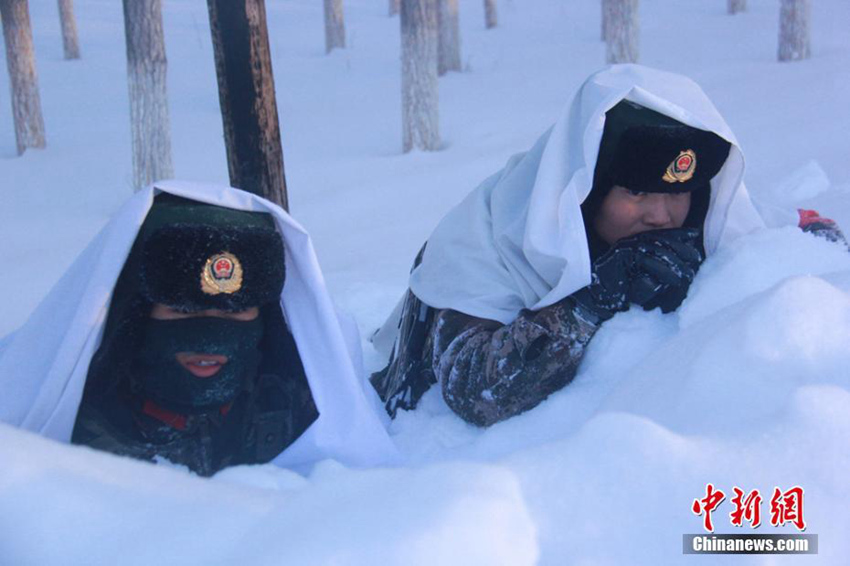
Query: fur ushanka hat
point(195, 256)
point(643, 150)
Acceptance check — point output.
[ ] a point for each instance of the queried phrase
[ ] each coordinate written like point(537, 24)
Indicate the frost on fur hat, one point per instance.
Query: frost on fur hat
point(197, 256)
point(643, 150)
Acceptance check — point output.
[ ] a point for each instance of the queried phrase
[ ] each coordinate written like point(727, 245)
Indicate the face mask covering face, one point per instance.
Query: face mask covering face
point(168, 382)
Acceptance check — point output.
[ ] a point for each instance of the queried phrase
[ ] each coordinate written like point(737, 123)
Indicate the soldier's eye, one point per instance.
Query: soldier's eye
point(636, 193)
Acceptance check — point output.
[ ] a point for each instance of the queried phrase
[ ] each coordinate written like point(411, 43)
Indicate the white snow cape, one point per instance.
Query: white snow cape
point(43, 366)
point(518, 240)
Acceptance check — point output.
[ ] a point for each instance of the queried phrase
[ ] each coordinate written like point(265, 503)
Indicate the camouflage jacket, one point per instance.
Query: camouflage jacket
point(254, 429)
point(488, 371)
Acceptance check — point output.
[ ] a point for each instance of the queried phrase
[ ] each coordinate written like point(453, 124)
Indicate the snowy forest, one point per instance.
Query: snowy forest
point(368, 121)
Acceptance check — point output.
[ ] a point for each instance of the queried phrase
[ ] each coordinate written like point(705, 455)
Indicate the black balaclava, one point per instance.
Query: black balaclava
point(170, 385)
point(644, 150)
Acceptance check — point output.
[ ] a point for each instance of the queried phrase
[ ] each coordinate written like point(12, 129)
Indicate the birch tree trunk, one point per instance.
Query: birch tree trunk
point(420, 95)
point(606, 18)
point(395, 6)
point(146, 74)
point(23, 79)
point(623, 32)
point(448, 57)
point(334, 25)
point(491, 18)
point(794, 36)
point(246, 92)
point(70, 44)
point(735, 6)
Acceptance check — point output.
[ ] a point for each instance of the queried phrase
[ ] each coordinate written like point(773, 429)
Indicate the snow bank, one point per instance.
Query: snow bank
point(776, 255)
point(71, 505)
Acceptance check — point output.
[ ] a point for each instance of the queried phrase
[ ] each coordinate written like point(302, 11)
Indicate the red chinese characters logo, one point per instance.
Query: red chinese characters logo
point(707, 504)
point(746, 508)
point(787, 507)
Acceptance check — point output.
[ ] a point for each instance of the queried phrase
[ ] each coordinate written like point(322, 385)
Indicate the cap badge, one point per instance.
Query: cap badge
point(222, 273)
point(682, 168)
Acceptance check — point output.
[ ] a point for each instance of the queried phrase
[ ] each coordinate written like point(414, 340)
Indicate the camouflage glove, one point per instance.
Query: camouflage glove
point(650, 269)
point(667, 262)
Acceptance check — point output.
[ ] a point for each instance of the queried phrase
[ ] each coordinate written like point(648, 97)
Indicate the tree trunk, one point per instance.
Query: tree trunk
point(246, 92)
point(606, 18)
point(146, 74)
point(735, 6)
point(491, 18)
point(448, 58)
point(623, 32)
point(794, 37)
point(420, 95)
point(395, 6)
point(334, 25)
point(23, 79)
point(70, 43)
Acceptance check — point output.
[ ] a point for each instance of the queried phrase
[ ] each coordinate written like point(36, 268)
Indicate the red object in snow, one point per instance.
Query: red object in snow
point(811, 217)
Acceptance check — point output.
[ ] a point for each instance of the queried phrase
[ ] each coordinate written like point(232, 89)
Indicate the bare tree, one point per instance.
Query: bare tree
point(146, 75)
point(395, 6)
point(491, 18)
point(448, 55)
point(794, 36)
point(623, 32)
point(246, 92)
point(420, 95)
point(70, 43)
point(334, 25)
point(606, 18)
point(735, 6)
point(23, 79)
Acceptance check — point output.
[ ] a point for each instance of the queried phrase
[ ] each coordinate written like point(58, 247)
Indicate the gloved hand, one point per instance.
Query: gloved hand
point(651, 269)
point(666, 263)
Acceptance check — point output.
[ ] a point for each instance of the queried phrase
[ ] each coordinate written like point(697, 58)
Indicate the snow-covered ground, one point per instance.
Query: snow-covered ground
point(747, 385)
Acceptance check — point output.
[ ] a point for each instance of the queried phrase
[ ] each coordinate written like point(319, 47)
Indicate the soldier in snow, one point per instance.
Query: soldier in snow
point(616, 205)
point(195, 329)
point(196, 363)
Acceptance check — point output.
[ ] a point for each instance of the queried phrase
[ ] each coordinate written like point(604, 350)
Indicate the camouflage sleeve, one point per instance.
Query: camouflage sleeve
point(490, 372)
